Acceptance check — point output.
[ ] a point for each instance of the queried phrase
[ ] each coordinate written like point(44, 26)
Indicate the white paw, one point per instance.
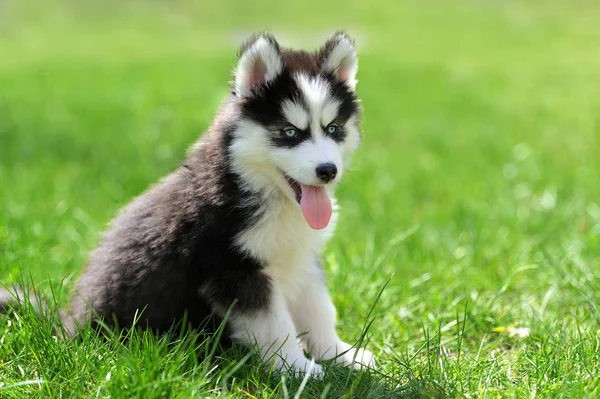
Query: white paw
point(358, 358)
point(300, 367)
point(308, 366)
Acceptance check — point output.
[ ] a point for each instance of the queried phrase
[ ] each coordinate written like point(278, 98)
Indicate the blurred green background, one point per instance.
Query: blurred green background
point(476, 185)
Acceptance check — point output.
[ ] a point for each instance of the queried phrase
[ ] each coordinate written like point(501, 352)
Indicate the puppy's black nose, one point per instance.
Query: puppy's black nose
point(326, 172)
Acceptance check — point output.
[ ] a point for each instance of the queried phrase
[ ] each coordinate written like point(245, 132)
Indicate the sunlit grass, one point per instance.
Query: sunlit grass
point(475, 195)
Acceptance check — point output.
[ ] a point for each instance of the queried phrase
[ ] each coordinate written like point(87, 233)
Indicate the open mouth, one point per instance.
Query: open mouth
point(314, 202)
point(296, 187)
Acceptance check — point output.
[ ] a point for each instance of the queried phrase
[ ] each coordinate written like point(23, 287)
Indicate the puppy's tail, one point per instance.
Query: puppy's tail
point(15, 298)
point(65, 326)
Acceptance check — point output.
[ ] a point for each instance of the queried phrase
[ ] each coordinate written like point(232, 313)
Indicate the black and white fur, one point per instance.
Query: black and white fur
point(226, 227)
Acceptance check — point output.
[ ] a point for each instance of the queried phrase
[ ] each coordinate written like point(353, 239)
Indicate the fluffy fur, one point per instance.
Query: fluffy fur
point(226, 228)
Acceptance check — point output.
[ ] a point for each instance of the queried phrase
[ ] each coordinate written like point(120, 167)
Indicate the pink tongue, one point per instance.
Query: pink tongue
point(316, 206)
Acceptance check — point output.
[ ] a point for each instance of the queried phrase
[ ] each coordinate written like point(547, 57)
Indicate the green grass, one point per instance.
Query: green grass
point(475, 193)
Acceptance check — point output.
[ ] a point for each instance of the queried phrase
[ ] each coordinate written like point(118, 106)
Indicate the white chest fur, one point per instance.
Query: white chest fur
point(282, 239)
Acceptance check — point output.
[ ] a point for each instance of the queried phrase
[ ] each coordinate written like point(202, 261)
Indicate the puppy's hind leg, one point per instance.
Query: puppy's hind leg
point(15, 297)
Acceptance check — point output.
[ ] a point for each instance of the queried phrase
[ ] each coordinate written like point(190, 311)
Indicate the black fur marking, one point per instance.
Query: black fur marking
point(278, 139)
point(340, 133)
point(295, 186)
point(349, 105)
point(349, 102)
point(265, 106)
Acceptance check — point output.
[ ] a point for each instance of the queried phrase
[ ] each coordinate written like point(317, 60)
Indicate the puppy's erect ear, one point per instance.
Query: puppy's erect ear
point(260, 62)
point(338, 56)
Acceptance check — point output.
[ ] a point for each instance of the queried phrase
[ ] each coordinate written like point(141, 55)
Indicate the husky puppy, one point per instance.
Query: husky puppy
point(241, 224)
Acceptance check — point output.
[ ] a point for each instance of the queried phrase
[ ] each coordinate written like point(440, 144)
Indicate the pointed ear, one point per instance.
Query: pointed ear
point(260, 62)
point(338, 56)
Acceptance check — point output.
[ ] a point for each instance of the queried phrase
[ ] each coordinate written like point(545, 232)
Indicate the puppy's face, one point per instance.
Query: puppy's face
point(300, 120)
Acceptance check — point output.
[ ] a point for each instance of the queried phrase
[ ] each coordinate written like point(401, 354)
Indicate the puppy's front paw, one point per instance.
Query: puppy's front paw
point(358, 358)
point(300, 367)
point(309, 366)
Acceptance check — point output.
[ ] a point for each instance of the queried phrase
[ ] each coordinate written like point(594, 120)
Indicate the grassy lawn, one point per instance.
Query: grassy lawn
point(475, 195)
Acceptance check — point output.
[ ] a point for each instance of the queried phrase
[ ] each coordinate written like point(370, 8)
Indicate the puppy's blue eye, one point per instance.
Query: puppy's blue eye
point(331, 129)
point(290, 133)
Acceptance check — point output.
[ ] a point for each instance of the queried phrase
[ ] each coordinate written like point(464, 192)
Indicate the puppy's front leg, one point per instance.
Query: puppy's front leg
point(272, 330)
point(314, 315)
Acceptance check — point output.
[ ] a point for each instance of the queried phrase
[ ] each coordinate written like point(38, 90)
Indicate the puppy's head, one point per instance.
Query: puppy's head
point(300, 120)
